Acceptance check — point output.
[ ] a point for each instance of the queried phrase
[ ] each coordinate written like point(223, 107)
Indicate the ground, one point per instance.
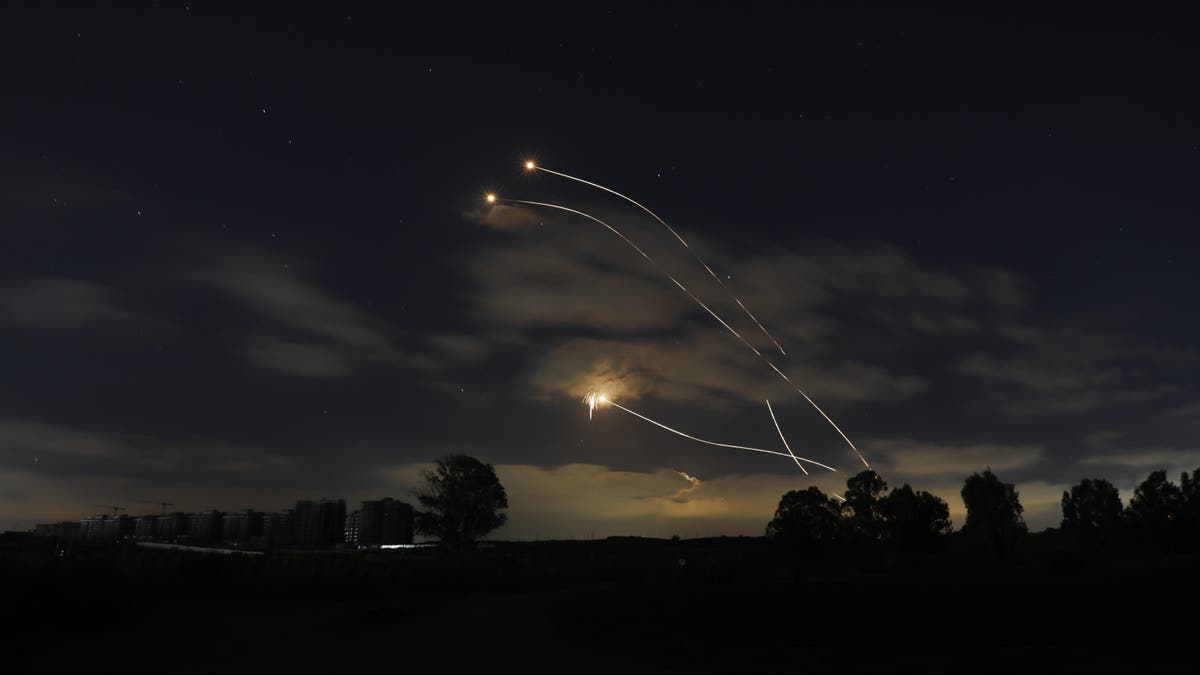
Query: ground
point(597, 607)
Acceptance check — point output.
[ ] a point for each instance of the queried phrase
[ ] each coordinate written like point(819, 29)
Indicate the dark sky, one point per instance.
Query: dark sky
point(245, 259)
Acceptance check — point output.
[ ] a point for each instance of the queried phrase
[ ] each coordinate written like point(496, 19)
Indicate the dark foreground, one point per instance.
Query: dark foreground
point(630, 606)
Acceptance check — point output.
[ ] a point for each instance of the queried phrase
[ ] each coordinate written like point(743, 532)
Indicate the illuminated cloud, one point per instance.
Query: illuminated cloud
point(921, 459)
point(504, 217)
point(707, 368)
point(1149, 459)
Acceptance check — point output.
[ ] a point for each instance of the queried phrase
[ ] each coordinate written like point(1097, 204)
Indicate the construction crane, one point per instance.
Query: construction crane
point(109, 506)
point(164, 505)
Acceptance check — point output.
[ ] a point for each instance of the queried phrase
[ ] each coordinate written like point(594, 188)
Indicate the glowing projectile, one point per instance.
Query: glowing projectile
point(703, 306)
point(593, 399)
point(530, 165)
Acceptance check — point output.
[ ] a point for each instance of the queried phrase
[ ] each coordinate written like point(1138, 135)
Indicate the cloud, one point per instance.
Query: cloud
point(300, 327)
point(59, 303)
point(1170, 459)
point(919, 459)
point(618, 322)
point(551, 280)
point(25, 439)
point(1075, 364)
point(504, 217)
point(300, 358)
point(1189, 412)
point(68, 451)
point(867, 324)
point(705, 368)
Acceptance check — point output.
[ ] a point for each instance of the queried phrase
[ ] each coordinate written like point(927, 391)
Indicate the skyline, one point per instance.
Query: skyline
point(257, 267)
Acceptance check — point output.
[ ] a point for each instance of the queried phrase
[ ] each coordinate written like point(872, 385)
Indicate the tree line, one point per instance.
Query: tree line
point(1161, 517)
point(462, 500)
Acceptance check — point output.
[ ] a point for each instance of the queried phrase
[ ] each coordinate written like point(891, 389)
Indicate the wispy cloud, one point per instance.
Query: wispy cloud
point(1149, 458)
point(59, 303)
point(920, 459)
point(300, 328)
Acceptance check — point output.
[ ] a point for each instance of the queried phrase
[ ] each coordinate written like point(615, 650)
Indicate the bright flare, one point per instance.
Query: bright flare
point(491, 198)
point(530, 165)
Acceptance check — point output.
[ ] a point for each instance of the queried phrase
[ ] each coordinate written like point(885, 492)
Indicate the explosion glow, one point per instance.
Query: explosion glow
point(592, 399)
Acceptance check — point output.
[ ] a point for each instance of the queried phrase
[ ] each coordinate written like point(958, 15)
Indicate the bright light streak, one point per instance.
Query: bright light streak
point(645, 255)
point(785, 443)
point(592, 397)
point(531, 167)
point(706, 308)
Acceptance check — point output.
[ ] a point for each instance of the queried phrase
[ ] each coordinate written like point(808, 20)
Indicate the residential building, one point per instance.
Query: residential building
point(320, 523)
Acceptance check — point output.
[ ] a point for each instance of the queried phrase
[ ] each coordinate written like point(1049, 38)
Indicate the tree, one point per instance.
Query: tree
point(1189, 489)
point(806, 519)
point(1155, 508)
point(462, 498)
point(1092, 513)
point(1156, 501)
point(863, 493)
point(993, 512)
point(914, 521)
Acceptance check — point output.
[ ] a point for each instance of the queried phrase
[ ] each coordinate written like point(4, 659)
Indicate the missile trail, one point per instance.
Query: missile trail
point(645, 255)
point(534, 167)
point(698, 301)
point(608, 401)
point(785, 443)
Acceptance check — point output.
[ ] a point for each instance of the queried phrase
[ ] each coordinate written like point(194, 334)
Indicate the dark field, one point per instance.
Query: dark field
point(618, 605)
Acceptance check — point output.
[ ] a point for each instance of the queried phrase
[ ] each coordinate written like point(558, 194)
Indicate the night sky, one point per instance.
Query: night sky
point(245, 258)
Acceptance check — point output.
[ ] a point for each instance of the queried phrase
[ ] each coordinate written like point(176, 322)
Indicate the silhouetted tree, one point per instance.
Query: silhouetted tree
point(914, 521)
point(993, 512)
point(806, 519)
point(1189, 519)
point(1092, 514)
point(863, 492)
point(462, 498)
point(1153, 511)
